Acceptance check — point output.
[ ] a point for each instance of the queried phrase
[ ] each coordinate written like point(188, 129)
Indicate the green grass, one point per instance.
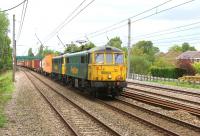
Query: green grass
point(180, 84)
point(6, 88)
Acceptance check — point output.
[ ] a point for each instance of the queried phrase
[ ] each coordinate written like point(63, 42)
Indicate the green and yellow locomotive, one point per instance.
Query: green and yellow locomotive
point(101, 70)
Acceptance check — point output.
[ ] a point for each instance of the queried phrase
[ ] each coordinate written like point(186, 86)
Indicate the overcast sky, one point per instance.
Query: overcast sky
point(43, 16)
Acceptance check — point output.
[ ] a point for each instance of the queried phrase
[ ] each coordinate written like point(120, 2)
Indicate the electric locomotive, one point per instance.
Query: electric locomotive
point(100, 70)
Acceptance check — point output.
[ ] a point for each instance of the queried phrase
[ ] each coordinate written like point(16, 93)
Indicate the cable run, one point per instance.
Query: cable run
point(71, 19)
point(158, 12)
point(14, 6)
point(22, 21)
point(61, 24)
point(125, 20)
point(170, 32)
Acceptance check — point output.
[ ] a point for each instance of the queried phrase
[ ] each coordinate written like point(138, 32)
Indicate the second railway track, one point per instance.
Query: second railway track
point(167, 89)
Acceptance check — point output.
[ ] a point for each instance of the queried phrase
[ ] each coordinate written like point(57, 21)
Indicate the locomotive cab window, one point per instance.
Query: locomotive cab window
point(119, 59)
point(109, 58)
point(99, 58)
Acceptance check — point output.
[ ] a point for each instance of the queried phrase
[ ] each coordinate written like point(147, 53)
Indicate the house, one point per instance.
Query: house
point(193, 56)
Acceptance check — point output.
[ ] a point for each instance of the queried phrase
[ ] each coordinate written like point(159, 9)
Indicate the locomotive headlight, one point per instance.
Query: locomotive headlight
point(109, 76)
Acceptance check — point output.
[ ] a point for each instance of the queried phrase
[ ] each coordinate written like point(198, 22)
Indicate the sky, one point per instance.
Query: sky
point(163, 29)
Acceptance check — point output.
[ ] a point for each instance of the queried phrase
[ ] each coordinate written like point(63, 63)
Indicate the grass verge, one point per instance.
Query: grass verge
point(179, 84)
point(6, 88)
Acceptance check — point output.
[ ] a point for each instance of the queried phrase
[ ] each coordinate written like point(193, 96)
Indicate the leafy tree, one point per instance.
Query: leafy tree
point(87, 46)
point(30, 52)
point(139, 65)
point(40, 51)
point(71, 48)
point(175, 48)
point(5, 49)
point(187, 47)
point(187, 65)
point(146, 47)
point(183, 48)
point(162, 62)
point(115, 42)
point(47, 51)
point(196, 66)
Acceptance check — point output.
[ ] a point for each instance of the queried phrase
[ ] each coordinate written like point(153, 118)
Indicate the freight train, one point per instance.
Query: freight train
point(100, 70)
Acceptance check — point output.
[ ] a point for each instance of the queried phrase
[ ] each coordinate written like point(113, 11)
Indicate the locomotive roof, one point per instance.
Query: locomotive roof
point(105, 48)
point(96, 49)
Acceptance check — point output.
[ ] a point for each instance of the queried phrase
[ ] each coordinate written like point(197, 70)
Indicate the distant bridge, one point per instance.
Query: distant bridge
point(28, 57)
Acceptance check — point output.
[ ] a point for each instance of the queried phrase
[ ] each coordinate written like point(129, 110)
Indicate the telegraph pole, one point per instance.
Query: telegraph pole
point(129, 44)
point(14, 49)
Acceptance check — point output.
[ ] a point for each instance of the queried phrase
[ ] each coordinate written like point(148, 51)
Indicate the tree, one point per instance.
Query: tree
point(162, 62)
point(187, 47)
point(71, 48)
point(139, 65)
point(175, 48)
point(87, 46)
point(196, 66)
point(5, 49)
point(40, 51)
point(115, 42)
point(47, 51)
point(187, 65)
point(30, 52)
point(146, 49)
point(183, 48)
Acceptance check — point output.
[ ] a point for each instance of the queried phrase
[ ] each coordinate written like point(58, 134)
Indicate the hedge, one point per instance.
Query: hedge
point(167, 72)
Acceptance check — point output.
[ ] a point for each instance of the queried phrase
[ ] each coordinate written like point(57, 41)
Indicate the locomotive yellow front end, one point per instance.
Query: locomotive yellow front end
point(107, 69)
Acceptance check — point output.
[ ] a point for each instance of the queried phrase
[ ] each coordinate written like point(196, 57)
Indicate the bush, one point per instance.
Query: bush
point(167, 72)
point(196, 66)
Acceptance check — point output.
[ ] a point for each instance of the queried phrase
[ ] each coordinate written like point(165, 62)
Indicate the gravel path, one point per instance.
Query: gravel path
point(29, 115)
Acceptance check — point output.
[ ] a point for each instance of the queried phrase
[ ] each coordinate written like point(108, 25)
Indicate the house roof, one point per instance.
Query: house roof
point(189, 55)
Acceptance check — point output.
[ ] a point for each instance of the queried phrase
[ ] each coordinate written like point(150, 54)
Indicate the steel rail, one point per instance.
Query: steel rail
point(162, 95)
point(53, 107)
point(194, 94)
point(144, 121)
point(180, 122)
point(81, 109)
point(161, 102)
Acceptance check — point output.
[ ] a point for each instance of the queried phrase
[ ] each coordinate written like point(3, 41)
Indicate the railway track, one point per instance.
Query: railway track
point(153, 125)
point(195, 103)
point(81, 125)
point(161, 102)
point(167, 89)
point(167, 125)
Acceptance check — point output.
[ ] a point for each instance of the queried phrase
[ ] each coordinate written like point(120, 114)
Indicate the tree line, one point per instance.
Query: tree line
point(144, 56)
point(5, 49)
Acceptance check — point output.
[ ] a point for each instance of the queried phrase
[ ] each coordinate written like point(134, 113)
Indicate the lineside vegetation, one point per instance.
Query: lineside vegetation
point(6, 88)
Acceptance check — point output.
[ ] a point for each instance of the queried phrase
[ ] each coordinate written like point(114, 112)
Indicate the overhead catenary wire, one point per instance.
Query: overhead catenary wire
point(61, 24)
point(167, 33)
point(13, 6)
point(168, 29)
point(71, 19)
point(125, 20)
point(157, 12)
point(22, 19)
